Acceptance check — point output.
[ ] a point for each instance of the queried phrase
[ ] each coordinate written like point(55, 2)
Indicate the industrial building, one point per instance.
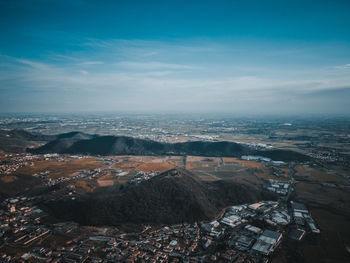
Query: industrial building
point(244, 243)
point(231, 220)
point(267, 242)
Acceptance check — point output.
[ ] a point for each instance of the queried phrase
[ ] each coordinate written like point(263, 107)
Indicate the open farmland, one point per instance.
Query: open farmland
point(336, 199)
point(146, 163)
point(233, 168)
point(318, 174)
point(58, 168)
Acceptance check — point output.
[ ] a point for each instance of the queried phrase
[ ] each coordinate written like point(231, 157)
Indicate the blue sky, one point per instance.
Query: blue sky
point(273, 57)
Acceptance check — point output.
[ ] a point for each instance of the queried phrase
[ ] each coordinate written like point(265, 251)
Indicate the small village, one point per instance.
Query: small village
point(244, 233)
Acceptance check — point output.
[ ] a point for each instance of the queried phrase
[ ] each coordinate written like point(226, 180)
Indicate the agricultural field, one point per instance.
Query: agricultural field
point(146, 163)
point(317, 174)
point(234, 168)
point(58, 168)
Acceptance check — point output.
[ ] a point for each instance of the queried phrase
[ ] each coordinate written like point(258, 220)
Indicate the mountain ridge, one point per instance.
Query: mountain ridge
point(124, 145)
point(83, 143)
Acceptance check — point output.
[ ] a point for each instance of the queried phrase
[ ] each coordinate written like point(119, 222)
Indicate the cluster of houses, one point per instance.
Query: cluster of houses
point(143, 176)
point(278, 187)
point(14, 161)
point(50, 181)
point(256, 145)
point(20, 224)
point(258, 158)
point(163, 244)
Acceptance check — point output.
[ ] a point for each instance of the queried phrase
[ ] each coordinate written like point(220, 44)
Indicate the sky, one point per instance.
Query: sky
point(241, 57)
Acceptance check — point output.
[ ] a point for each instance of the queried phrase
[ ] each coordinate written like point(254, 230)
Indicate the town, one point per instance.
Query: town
point(243, 233)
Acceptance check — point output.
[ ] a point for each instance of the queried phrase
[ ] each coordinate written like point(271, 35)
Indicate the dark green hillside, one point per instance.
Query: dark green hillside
point(122, 145)
point(174, 196)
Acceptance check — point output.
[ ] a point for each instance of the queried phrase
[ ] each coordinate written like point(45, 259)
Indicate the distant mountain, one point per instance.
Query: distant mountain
point(174, 196)
point(121, 145)
point(76, 135)
point(63, 142)
point(283, 155)
point(82, 143)
point(19, 140)
point(118, 145)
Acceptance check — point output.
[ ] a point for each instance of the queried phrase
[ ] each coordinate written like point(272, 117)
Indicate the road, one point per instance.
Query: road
point(291, 180)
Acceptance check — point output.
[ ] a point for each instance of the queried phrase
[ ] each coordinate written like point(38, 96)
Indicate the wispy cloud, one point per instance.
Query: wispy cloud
point(91, 63)
point(171, 77)
point(33, 64)
point(346, 66)
point(152, 65)
point(97, 43)
point(84, 72)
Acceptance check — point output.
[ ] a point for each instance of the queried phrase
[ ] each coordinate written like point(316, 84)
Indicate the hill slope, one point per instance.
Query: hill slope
point(19, 140)
point(172, 197)
point(63, 142)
